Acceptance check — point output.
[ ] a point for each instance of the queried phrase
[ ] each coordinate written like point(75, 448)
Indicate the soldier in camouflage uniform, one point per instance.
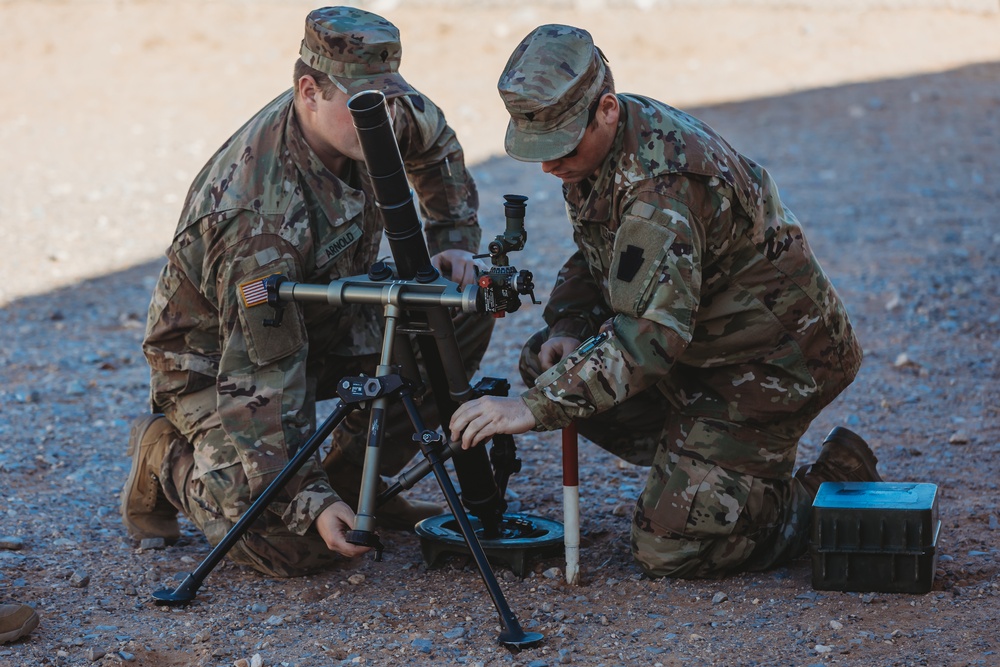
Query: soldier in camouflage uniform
point(289, 194)
point(711, 337)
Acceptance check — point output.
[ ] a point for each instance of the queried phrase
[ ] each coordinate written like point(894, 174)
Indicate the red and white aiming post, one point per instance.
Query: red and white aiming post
point(571, 503)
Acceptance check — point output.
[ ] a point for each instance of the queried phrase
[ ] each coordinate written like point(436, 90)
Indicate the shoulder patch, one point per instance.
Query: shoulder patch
point(253, 292)
point(629, 263)
point(265, 344)
point(641, 246)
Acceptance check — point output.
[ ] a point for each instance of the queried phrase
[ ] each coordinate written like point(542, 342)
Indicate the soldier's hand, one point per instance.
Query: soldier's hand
point(484, 417)
point(333, 524)
point(456, 265)
point(555, 350)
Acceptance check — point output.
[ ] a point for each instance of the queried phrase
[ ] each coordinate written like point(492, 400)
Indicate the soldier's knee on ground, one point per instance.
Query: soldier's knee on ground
point(690, 556)
point(677, 533)
point(283, 555)
point(661, 556)
point(734, 523)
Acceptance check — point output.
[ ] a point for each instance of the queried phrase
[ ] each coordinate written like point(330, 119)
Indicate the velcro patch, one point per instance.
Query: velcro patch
point(253, 292)
point(629, 263)
point(635, 263)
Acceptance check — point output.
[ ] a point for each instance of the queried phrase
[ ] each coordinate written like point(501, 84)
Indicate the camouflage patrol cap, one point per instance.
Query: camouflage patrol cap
point(357, 49)
point(548, 85)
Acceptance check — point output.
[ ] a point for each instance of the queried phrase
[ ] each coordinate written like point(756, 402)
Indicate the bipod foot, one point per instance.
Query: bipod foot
point(177, 597)
point(518, 640)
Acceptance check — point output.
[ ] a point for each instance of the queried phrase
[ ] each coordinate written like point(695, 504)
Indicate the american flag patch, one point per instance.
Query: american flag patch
point(253, 292)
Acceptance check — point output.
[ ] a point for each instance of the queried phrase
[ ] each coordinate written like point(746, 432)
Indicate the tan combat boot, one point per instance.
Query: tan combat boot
point(16, 621)
point(398, 513)
point(845, 457)
point(146, 512)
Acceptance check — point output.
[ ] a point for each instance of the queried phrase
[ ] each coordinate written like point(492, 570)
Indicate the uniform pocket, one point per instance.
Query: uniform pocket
point(699, 498)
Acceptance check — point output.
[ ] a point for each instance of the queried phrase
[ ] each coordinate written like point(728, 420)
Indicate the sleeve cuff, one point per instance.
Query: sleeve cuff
point(549, 415)
point(307, 505)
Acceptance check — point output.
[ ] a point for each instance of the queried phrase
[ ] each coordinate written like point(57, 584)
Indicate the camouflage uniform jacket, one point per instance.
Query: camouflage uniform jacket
point(265, 204)
point(700, 281)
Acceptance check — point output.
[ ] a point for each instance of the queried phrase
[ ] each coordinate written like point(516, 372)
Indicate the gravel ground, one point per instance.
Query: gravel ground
point(882, 133)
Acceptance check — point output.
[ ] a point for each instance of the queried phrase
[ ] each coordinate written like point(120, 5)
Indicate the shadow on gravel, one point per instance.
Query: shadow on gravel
point(895, 184)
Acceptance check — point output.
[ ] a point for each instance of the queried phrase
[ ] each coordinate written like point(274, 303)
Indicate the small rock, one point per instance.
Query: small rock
point(903, 360)
point(624, 509)
point(422, 645)
point(153, 543)
point(455, 633)
point(258, 608)
point(241, 662)
point(275, 620)
point(994, 524)
point(94, 654)
point(719, 597)
point(76, 388)
point(552, 573)
point(959, 438)
point(356, 579)
point(836, 625)
point(820, 648)
point(126, 656)
point(202, 636)
point(29, 397)
point(256, 660)
point(79, 580)
point(11, 543)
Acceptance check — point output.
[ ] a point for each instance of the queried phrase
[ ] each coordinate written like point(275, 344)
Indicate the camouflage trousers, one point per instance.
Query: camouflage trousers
point(216, 499)
point(701, 514)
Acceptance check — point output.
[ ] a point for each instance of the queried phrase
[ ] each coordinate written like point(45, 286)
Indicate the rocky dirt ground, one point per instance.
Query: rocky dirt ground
point(881, 129)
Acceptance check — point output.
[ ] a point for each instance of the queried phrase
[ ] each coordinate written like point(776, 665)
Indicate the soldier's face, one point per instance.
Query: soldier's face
point(336, 125)
point(588, 156)
point(579, 163)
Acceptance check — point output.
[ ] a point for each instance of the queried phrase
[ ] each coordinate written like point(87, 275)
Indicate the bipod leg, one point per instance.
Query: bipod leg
point(186, 591)
point(512, 635)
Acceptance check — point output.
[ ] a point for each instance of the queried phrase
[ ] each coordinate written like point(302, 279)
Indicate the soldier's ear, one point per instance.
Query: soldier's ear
point(609, 109)
point(307, 90)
